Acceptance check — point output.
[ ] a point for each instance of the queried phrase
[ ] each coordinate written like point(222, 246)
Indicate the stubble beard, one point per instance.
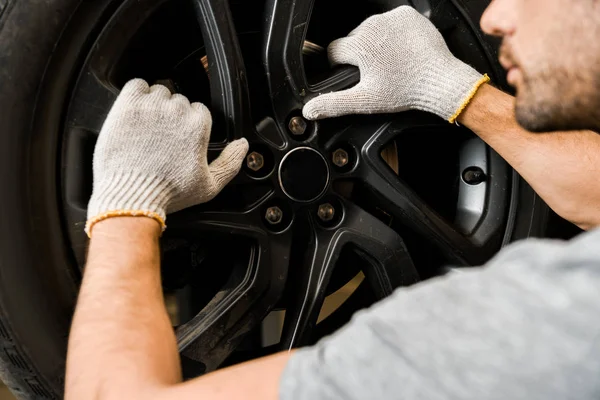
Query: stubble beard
point(559, 100)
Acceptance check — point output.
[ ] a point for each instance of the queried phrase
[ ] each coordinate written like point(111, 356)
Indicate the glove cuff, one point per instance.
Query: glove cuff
point(128, 194)
point(451, 86)
point(484, 79)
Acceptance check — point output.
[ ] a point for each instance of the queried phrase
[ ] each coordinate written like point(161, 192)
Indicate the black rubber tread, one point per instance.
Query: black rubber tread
point(12, 363)
point(3, 4)
point(32, 339)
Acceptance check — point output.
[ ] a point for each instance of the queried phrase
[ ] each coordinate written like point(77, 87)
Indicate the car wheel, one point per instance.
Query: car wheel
point(384, 200)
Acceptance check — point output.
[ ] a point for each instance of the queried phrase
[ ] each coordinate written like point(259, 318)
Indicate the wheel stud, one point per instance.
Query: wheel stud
point(274, 215)
point(340, 158)
point(297, 126)
point(255, 161)
point(326, 212)
point(473, 175)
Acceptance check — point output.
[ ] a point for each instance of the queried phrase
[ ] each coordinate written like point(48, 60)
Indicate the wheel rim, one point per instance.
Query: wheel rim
point(261, 284)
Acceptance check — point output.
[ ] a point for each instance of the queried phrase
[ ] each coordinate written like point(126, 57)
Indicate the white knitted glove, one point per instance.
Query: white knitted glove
point(404, 64)
point(150, 158)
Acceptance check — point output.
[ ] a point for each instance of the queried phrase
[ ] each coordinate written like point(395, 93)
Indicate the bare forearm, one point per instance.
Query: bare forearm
point(562, 167)
point(122, 343)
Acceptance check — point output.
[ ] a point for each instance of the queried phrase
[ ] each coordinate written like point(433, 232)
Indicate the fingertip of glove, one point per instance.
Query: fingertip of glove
point(229, 163)
point(243, 142)
point(203, 113)
point(160, 91)
point(136, 85)
point(200, 108)
point(180, 99)
point(310, 112)
point(342, 51)
point(239, 147)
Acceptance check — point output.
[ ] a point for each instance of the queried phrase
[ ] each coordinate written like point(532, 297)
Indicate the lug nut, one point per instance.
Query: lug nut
point(326, 212)
point(255, 161)
point(340, 158)
point(297, 126)
point(274, 215)
point(474, 175)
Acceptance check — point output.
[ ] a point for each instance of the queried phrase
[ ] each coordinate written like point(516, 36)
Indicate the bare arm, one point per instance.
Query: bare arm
point(120, 322)
point(562, 167)
point(122, 345)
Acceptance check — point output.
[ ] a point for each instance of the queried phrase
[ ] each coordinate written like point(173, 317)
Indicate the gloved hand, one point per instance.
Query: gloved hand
point(150, 158)
point(404, 64)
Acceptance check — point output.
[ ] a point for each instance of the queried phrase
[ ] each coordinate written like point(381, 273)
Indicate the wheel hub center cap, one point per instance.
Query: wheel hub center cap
point(303, 174)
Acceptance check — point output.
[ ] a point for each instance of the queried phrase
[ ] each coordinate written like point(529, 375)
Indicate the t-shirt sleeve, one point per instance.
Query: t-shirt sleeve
point(525, 326)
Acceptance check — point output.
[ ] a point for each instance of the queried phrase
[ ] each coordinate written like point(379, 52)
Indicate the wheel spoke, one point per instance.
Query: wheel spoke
point(356, 130)
point(96, 87)
point(371, 133)
point(212, 335)
point(287, 25)
point(342, 77)
point(286, 29)
point(93, 99)
point(229, 93)
point(388, 266)
point(246, 223)
point(324, 248)
point(241, 305)
point(405, 205)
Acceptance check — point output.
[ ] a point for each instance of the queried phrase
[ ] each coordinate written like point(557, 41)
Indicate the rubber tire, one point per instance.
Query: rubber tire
point(37, 288)
point(38, 285)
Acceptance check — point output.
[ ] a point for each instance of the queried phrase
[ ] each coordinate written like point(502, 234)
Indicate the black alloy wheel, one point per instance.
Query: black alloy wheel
point(399, 197)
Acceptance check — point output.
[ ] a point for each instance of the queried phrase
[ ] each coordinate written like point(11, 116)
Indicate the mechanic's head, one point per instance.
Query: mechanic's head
point(552, 51)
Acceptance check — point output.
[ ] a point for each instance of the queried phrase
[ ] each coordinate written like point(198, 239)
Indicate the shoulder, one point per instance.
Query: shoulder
point(529, 315)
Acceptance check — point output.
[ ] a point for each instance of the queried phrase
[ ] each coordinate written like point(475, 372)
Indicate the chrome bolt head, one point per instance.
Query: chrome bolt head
point(297, 126)
point(274, 215)
point(326, 212)
point(340, 158)
point(255, 161)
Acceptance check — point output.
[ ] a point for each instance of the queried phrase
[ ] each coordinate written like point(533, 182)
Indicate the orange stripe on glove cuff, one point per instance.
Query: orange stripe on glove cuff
point(123, 213)
point(484, 79)
point(128, 194)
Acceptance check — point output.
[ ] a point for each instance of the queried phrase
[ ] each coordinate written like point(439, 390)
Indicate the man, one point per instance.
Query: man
point(525, 326)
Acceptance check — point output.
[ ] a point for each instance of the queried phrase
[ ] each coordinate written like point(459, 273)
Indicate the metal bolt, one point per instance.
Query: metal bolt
point(255, 161)
point(474, 175)
point(340, 157)
point(297, 126)
point(274, 215)
point(326, 212)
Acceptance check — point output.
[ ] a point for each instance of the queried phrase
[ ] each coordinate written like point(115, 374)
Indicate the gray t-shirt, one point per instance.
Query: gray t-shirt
point(525, 326)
